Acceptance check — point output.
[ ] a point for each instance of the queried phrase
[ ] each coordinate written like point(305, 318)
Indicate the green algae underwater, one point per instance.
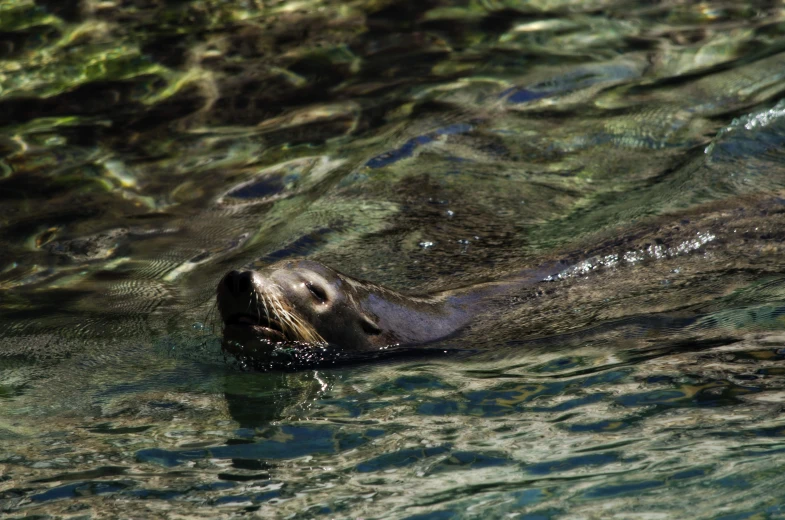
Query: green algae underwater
point(147, 147)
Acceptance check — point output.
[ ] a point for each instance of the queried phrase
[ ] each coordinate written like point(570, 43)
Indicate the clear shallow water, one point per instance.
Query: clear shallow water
point(147, 149)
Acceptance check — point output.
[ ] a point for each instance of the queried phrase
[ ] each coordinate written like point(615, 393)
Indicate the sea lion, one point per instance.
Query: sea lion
point(299, 303)
point(684, 264)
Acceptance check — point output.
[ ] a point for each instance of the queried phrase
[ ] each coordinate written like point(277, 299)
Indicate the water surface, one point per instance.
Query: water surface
point(146, 148)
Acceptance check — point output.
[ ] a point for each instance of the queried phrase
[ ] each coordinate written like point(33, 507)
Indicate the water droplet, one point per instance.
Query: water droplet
point(425, 244)
point(198, 326)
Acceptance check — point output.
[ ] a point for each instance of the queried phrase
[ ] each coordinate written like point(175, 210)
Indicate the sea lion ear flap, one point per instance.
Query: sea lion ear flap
point(368, 325)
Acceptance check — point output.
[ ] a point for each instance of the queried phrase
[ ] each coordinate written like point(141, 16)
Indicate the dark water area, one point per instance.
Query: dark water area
point(149, 147)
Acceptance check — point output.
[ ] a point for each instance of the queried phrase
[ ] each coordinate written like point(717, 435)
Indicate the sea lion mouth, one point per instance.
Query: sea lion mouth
point(260, 326)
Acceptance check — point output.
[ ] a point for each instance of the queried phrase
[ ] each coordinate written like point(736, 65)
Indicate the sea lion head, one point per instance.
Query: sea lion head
point(298, 302)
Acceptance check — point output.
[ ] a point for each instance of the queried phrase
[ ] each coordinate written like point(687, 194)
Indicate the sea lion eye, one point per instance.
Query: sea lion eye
point(317, 291)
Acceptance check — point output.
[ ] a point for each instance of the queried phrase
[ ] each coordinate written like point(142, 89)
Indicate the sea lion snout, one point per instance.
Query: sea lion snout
point(236, 295)
point(237, 283)
point(237, 292)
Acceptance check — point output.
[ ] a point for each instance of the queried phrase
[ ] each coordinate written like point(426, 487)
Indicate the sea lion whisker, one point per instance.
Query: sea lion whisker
point(264, 305)
point(250, 303)
point(266, 308)
point(282, 314)
point(297, 327)
point(256, 299)
point(293, 325)
point(271, 307)
point(305, 330)
point(310, 335)
point(283, 317)
point(209, 318)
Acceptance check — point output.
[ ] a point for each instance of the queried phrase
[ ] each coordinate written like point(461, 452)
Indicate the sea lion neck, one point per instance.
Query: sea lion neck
point(412, 319)
point(478, 296)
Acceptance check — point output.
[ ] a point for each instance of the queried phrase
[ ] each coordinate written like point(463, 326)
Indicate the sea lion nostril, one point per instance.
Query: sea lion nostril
point(237, 282)
point(244, 282)
point(230, 280)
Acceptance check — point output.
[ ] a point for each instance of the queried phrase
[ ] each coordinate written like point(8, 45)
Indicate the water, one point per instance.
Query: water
point(147, 148)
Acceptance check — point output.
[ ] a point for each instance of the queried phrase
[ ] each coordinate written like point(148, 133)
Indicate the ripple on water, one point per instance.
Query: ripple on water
point(146, 148)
